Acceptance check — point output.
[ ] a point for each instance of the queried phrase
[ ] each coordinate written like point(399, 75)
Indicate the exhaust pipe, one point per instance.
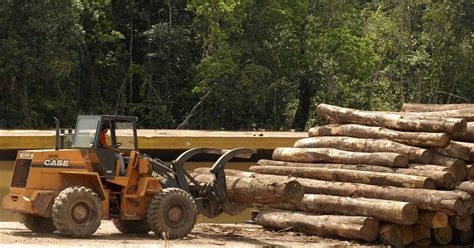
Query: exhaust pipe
point(56, 121)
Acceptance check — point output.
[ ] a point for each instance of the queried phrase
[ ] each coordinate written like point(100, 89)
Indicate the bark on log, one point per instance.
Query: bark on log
point(450, 202)
point(423, 139)
point(341, 175)
point(463, 223)
point(414, 154)
point(433, 219)
point(264, 191)
point(360, 228)
point(418, 107)
point(454, 150)
point(442, 179)
point(429, 167)
point(384, 210)
point(458, 166)
point(396, 235)
point(470, 172)
point(468, 136)
point(467, 145)
point(397, 121)
point(465, 237)
point(421, 234)
point(442, 236)
point(332, 155)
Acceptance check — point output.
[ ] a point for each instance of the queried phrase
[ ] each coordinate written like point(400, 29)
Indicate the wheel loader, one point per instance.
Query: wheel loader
point(71, 190)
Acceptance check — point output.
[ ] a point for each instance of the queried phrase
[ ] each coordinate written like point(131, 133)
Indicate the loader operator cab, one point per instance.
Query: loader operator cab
point(123, 135)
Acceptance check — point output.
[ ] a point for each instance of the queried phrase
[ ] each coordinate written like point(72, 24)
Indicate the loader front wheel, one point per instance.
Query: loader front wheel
point(37, 224)
point(132, 226)
point(77, 212)
point(172, 213)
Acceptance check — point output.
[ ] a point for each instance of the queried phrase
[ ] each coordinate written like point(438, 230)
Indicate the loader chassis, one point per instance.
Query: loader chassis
point(71, 190)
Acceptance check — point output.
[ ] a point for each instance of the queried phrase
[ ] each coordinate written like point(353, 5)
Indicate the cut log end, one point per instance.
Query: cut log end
point(410, 212)
point(443, 236)
point(293, 191)
point(401, 161)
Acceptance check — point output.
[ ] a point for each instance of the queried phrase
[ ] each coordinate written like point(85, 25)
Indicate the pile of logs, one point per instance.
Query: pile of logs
point(402, 178)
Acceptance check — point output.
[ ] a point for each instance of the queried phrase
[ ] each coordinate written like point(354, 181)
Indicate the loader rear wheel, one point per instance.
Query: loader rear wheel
point(172, 213)
point(132, 226)
point(37, 224)
point(77, 212)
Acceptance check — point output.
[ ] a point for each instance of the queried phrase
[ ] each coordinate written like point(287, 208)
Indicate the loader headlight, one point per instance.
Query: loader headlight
point(25, 155)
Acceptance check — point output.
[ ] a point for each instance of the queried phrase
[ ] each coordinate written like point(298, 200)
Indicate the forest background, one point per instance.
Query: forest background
point(228, 64)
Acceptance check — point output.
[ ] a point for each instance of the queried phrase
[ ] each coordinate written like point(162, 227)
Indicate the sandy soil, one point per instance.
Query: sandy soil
point(208, 235)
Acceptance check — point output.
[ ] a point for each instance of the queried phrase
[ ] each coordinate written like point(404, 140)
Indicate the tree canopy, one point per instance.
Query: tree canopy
point(228, 64)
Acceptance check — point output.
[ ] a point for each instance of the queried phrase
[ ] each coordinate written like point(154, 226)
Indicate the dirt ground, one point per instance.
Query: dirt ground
point(203, 235)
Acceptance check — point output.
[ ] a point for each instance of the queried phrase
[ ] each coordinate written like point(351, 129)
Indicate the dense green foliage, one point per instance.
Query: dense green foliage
point(228, 64)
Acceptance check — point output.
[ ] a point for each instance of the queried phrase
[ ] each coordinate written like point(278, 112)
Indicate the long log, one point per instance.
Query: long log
point(247, 190)
point(397, 121)
point(433, 200)
point(433, 219)
point(423, 139)
point(396, 235)
point(467, 145)
point(468, 136)
point(463, 223)
point(450, 202)
point(463, 113)
point(429, 167)
point(419, 107)
point(332, 155)
point(454, 150)
point(442, 236)
point(352, 227)
point(341, 175)
point(458, 166)
point(442, 179)
point(414, 154)
point(384, 210)
point(421, 235)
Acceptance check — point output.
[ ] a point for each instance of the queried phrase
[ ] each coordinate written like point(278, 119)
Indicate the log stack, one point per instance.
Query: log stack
point(402, 178)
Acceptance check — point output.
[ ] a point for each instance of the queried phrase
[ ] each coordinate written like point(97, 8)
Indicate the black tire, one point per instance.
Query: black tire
point(37, 224)
point(172, 213)
point(77, 212)
point(132, 226)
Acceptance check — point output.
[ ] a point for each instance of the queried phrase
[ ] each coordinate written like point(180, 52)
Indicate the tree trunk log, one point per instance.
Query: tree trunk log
point(389, 211)
point(454, 150)
point(470, 146)
point(462, 113)
point(442, 179)
point(458, 166)
point(414, 154)
point(418, 107)
point(397, 121)
point(351, 227)
point(332, 155)
point(396, 235)
point(467, 186)
point(423, 139)
point(341, 175)
point(468, 136)
point(470, 172)
point(360, 167)
point(429, 167)
point(433, 219)
point(264, 191)
point(463, 223)
point(442, 236)
point(450, 202)
point(421, 234)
